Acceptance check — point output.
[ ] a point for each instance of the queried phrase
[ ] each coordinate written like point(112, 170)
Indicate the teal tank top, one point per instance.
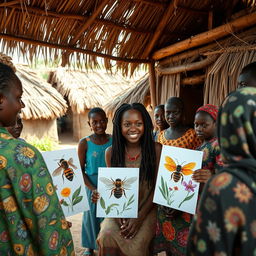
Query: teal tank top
point(95, 157)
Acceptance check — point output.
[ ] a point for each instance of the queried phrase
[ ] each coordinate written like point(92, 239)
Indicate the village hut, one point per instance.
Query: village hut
point(192, 49)
point(43, 105)
point(139, 93)
point(85, 90)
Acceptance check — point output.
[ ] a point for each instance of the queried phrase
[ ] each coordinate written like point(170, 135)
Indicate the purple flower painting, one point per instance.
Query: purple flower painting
point(189, 187)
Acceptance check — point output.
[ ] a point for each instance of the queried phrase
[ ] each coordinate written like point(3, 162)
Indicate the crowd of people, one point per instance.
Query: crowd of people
point(32, 221)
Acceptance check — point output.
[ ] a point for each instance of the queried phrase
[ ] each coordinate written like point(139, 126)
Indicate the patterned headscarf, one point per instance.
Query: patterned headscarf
point(212, 110)
point(237, 134)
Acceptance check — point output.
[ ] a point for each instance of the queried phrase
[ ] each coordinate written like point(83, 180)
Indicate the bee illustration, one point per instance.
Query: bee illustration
point(65, 169)
point(118, 186)
point(178, 170)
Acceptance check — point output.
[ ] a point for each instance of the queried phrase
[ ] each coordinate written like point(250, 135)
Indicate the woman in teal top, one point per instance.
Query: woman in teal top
point(91, 153)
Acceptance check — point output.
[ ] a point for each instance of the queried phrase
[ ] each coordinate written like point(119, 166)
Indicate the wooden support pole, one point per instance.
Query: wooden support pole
point(160, 28)
point(152, 83)
point(186, 67)
point(71, 49)
point(207, 37)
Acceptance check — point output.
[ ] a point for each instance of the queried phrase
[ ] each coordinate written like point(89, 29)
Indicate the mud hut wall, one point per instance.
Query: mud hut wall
point(40, 129)
point(81, 127)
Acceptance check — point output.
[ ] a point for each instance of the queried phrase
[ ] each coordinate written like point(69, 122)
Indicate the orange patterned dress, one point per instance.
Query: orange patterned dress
point(173, 226)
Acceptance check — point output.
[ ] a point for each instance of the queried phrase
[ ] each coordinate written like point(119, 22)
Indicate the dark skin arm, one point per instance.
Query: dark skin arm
point(201, 175)
point(82, 149)
point(95, 196)
point(130, 227)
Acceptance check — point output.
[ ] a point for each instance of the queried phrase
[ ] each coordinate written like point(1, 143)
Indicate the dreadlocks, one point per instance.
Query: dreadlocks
point(148, 161)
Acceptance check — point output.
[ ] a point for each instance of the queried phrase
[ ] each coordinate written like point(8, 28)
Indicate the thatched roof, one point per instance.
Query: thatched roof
point(139, 94)
point(41, 99)
point(91, 88)
point(126, 31)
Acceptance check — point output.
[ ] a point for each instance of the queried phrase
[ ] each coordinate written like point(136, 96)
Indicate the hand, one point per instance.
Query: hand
point(119, 222)
point(130, 227)
point(95, 196)
point(201, 175)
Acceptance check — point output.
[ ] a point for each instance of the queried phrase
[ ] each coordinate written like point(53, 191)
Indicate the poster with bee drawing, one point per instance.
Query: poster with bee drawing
point(174, 186)
point(119, 191)
point(67, 177)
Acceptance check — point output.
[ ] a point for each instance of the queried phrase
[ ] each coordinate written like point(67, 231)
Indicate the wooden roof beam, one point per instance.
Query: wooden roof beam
point(70, 49)
point(172, 6)
point(164, 5)
point(40, 12)
point(207, 37)
point(89, 22)
point(5, 4)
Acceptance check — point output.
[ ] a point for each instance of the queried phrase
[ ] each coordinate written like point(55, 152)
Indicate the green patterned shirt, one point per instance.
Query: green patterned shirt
point(31, 219)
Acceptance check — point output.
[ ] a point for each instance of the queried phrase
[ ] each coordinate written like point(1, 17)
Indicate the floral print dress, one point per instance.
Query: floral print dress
point(225, 223)
point(172, 225)
point(31, 218)
point(211, 157)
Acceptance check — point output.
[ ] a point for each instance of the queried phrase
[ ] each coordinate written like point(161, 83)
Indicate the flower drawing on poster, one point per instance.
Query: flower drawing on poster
point(189, 187)
point(70, 202)
point(67, 179)
point(175, 187)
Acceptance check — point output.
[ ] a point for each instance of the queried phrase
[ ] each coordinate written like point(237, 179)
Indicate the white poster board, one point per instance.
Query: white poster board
point(174, 186)
point(119, 191)
point(67, 176)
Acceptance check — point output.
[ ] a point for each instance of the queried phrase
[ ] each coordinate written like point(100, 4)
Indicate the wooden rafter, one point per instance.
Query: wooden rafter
point(70, 49)
point(5, 4)
point(186, 67)
point(164, 5)
point(160, 28)
point(207, 37)
point(89, 22)
point(40, 12)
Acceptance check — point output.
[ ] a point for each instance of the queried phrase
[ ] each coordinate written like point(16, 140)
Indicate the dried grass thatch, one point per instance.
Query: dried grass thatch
point(41, 100)
point(221, 77)
point(139, 94)
point(125, 31)
point(93, 88)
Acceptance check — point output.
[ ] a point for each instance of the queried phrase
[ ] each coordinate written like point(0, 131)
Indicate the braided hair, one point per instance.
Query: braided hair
point(148, 161)
point(7, 78)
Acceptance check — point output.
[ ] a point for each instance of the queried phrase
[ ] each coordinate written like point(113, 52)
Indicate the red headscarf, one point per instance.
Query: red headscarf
point(212, 110)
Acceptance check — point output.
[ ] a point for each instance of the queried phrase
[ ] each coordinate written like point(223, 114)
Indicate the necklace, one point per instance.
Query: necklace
point(132, 158)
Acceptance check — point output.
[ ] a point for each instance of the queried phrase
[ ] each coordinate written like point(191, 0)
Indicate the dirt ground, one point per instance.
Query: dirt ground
point(67, 142)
